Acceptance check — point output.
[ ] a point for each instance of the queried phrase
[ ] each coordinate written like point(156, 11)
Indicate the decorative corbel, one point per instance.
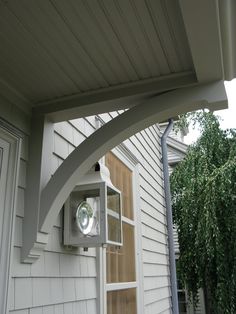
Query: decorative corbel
point(39, 172)
point(45, 197)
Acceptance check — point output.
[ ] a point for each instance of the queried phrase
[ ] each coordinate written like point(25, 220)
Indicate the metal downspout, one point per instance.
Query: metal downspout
point(175, 306)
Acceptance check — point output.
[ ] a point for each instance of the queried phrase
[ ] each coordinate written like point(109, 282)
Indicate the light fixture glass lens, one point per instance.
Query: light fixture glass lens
point(84, 217)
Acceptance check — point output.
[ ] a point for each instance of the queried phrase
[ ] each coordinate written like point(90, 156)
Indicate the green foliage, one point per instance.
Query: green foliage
point(203, 189)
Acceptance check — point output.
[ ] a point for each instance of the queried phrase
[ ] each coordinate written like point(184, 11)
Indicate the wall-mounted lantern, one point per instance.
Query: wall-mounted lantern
point(92, 213)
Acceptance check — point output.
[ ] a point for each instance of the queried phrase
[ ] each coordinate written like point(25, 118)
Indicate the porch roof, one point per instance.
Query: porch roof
point(73, 58)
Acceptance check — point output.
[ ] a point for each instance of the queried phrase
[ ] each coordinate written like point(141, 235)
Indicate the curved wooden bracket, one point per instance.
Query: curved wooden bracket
point(154, 110)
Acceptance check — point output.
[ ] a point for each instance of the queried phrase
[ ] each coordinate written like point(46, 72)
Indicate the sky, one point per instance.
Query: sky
point(228, 116)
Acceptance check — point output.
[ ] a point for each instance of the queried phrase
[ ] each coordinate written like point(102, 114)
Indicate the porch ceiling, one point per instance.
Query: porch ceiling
point(74, 57)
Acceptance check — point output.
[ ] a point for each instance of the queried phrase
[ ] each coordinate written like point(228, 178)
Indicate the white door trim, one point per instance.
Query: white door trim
point(11, 148)
point(103, 287)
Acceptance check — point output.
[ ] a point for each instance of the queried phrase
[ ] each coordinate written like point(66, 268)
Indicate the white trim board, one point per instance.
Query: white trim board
point(103, 287)
point(10, 144)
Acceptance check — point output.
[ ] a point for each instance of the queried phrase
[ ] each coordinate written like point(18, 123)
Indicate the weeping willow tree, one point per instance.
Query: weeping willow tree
point(203, 189)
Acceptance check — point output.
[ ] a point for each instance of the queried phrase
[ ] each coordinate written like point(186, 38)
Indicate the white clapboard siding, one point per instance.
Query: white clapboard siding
point(146, 147)
point(200, 308)
point(175, 155)
point(61, 281)
point(64, 281)
point(152, 211)
point(176, 241)
point(160, 307)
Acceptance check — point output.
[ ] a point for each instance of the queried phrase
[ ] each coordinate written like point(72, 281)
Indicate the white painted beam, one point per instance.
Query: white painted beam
point(113, 98)
point(201, 19)
point(71, 171)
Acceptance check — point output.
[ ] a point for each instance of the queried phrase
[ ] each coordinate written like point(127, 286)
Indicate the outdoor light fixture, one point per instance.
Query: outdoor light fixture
point(92, 212)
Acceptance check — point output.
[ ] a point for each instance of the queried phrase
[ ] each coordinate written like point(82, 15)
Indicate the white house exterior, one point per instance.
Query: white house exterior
point(65, 280)
point(61, 64)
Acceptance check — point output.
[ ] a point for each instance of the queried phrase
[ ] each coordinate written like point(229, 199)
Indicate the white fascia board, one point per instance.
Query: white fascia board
point(227, 13)
point(113, 98)
point(201, 20)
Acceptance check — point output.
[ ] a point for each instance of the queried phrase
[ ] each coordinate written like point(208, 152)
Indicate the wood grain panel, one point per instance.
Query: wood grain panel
point(122, 301)
point(121, 177)
point(121, 260)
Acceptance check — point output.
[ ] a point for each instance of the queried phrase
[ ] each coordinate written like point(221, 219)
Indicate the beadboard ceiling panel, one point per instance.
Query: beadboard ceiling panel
point(56, 48)
point(56, 54)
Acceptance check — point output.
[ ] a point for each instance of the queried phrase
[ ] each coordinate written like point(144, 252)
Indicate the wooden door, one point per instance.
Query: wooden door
point(120, 261)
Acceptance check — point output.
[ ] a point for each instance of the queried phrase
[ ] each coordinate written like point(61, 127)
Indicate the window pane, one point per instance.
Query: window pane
point(121, 261)
point(121, 177)
point(113, 200)
point(121, 302)
point(114, 232)
point(113, 215)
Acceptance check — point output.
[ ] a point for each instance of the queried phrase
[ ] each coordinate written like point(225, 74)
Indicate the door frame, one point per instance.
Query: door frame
point(12, 138)
point(129, 160)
